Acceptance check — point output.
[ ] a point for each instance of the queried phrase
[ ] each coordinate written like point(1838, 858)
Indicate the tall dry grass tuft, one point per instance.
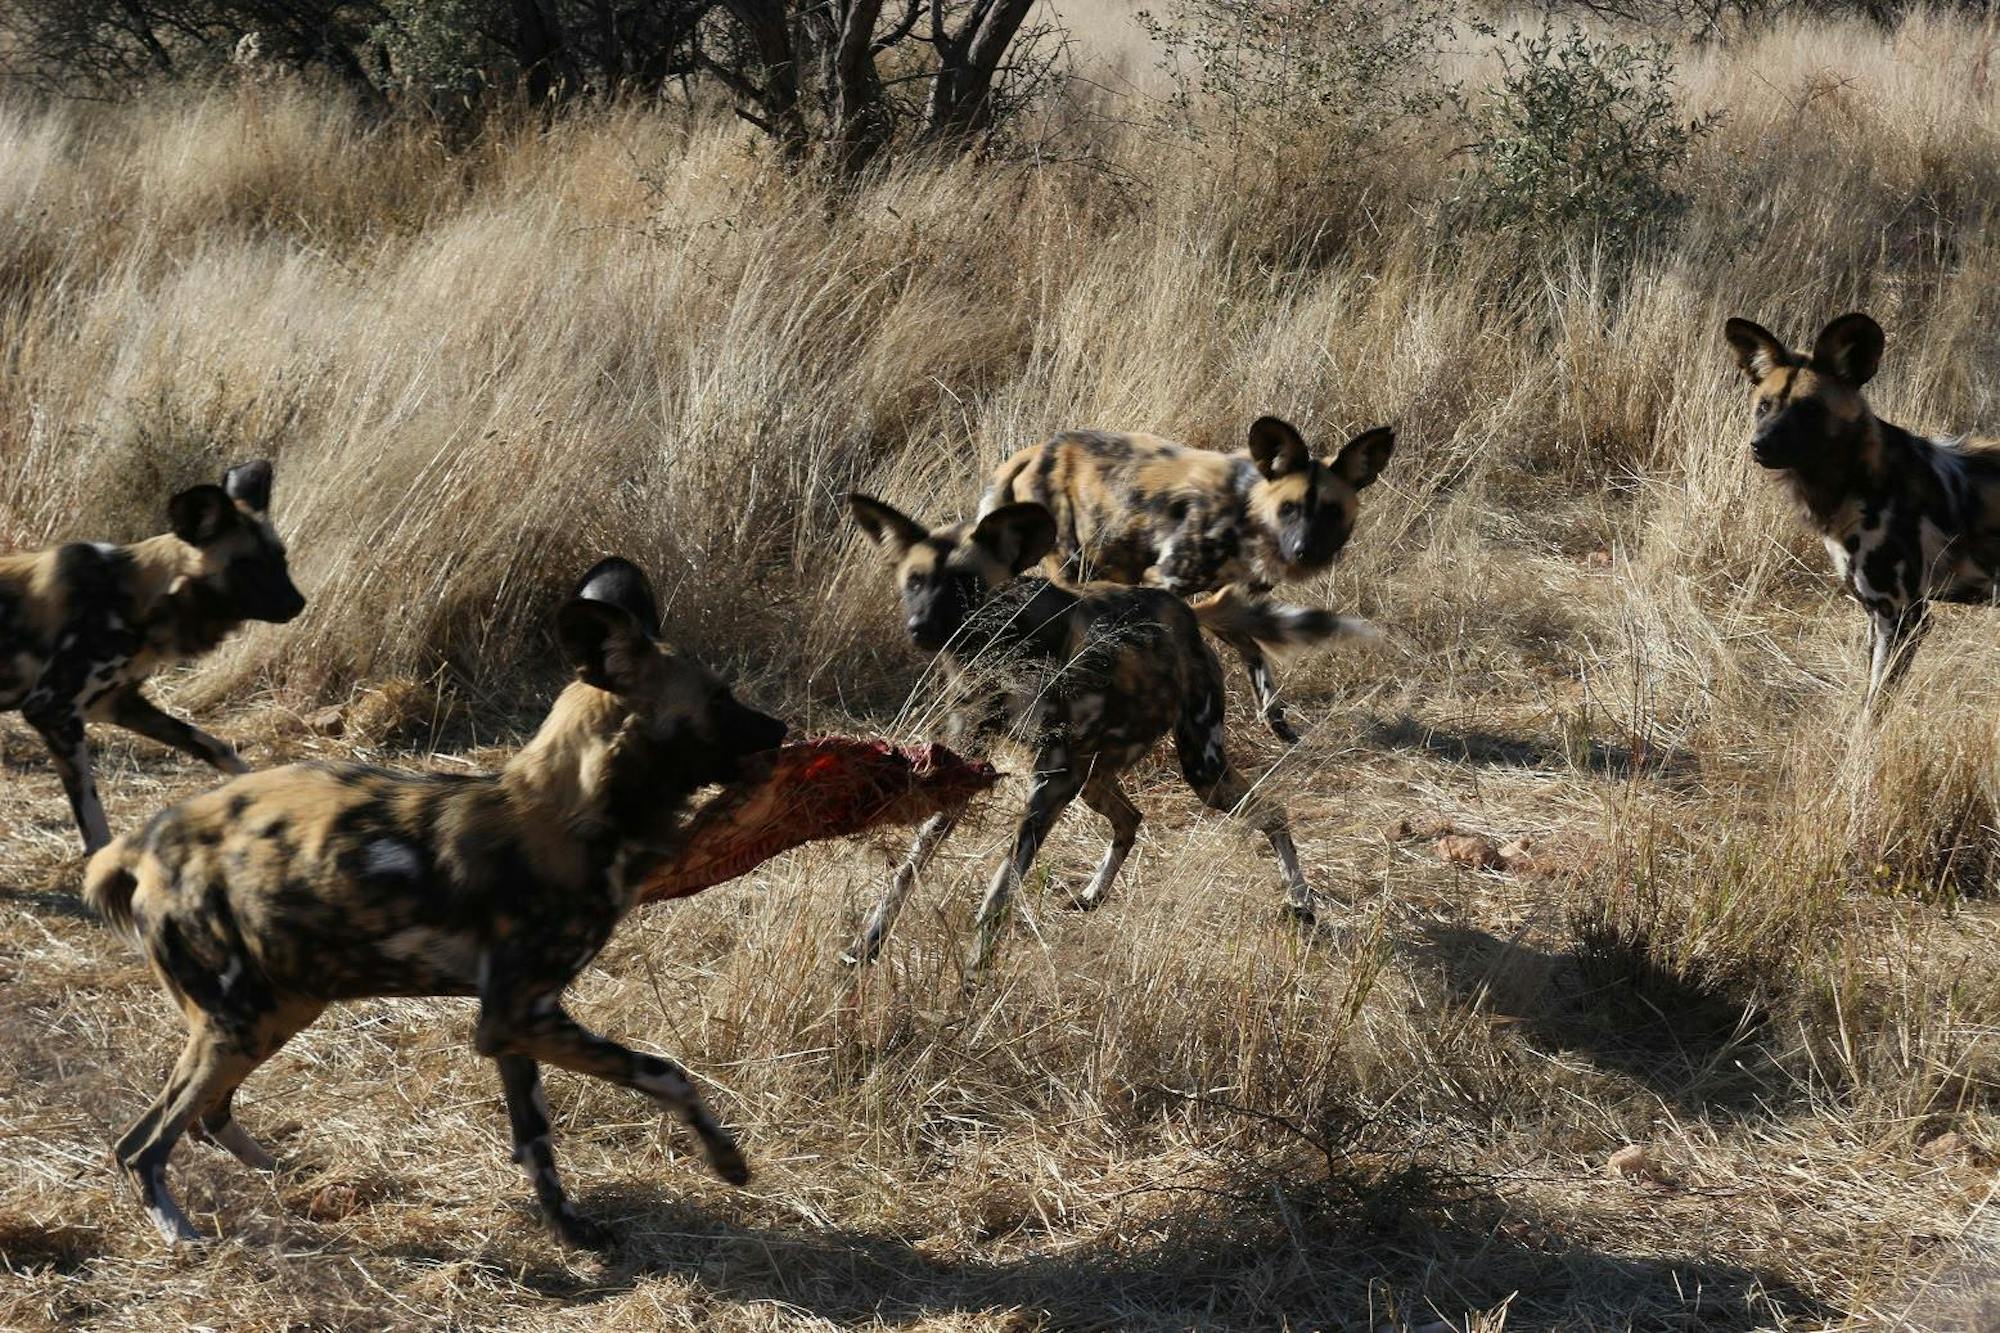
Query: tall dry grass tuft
point(1748, 933)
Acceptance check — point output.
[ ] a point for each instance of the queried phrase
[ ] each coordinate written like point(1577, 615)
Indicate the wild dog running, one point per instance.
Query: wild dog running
point(1140, 509)
point(82, 626)
point(276, 894)
point(1091, 678)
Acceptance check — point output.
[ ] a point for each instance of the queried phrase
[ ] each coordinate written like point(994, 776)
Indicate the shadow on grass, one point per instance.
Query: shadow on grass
point(1498, 751)
point(1274, 1249)
point(49, 902)
point(1697, 1045)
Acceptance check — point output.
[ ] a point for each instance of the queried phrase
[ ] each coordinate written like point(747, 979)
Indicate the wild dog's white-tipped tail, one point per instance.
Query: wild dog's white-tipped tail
point(109, 882)
point(1275, 626)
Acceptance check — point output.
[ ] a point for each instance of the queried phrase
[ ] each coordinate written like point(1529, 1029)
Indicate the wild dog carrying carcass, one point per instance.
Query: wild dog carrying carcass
point(83, 625)
point(1908, 520)
point(276, 894)
point(1092, 677)
point(1140, 509)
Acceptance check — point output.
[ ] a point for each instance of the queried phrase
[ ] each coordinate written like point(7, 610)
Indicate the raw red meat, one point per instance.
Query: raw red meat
point(827, 787)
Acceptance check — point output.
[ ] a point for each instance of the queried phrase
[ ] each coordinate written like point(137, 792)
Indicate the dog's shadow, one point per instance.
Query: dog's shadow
point(1493, 750)
point(1271, 1249)
point(1699, 1045)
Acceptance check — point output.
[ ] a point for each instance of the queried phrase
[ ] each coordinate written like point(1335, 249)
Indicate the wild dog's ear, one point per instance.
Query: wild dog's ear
point(200, 514)
point(1362, 458)
point(1018, 534)
point(249, 484)
point(1849, 349)
point(885, 524)
point(606, 644)
point(1758, 350)
point(1277, 448)
point(618, 582)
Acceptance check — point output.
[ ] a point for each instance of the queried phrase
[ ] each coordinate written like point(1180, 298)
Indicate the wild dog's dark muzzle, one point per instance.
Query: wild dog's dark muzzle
point(752, 732)
point(267, 595)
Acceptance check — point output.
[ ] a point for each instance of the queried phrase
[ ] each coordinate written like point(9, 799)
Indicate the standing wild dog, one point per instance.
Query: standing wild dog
point(1139, 509)
point(83, 625)
point(1908, 521)
point(1092, 677)
point(276, 894)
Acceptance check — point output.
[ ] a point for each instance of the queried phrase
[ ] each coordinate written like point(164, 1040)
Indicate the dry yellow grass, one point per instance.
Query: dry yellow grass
point(1761, 942)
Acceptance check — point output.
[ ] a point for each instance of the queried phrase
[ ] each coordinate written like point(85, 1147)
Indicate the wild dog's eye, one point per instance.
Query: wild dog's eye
point(1288, 509)
point(1763, 407)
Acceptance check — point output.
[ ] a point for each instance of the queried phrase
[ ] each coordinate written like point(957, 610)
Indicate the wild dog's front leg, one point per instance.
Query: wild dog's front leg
point(1056, 785)
point(132, 710)
point(59, 722)
point(535, 1026)
point(528, 1114)
point(1893, 635)
point(929, 838)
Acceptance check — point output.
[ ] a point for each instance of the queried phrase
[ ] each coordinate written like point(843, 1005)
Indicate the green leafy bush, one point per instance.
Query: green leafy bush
point(1335, 74)
point(1581, 135)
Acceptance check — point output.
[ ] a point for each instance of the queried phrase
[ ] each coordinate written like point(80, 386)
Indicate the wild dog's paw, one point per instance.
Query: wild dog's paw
point(726, 1158)
point(579, 1232)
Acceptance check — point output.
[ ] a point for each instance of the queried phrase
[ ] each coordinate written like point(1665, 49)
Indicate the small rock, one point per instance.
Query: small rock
point(1631, 1162)
point(327, 722)
point(1468, 849)
point(1412, 827)
point(1951, 1146)
point(334, 1202)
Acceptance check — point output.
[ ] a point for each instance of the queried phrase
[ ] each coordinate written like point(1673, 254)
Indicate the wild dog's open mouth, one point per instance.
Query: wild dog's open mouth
point(811, 790)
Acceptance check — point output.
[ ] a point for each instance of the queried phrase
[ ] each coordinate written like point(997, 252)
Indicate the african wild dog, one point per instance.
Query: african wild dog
point(1908, 521)
point(1091, 676)
point(276, 894)
point(83, 625)
point(1139, 509)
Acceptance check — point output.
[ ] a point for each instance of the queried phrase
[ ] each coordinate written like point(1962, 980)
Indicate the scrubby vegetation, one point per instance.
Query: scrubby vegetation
point(1749, 935)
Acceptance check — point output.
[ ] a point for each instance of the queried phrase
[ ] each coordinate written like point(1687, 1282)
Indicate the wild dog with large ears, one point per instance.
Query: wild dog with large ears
point(1089, 679)
point(279, 893)
point(82, 626)
point(1140, 509)
point(1907, 520)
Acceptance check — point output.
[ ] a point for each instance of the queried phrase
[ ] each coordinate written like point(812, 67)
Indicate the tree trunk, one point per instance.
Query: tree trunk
point(546, 72)
point(764, 23)
point(858, 122)
point(961, 100)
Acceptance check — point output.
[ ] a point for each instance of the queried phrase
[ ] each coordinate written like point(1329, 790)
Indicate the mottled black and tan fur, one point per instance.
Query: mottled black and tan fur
point(1908, 521)
point(82, 626)
point(1089, 677)
point(276, 894)
point(1140, 509)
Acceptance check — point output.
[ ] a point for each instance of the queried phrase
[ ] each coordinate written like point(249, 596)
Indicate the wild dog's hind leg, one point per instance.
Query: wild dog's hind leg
point(210, 1064)
point(1264, 685)
point(133, 711)
point(929, 838)
point(1103, 795)
point(1200, 743)
point(528, 1114)
point(1056, 785)
point(218, 1126)
point(534, 1025)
